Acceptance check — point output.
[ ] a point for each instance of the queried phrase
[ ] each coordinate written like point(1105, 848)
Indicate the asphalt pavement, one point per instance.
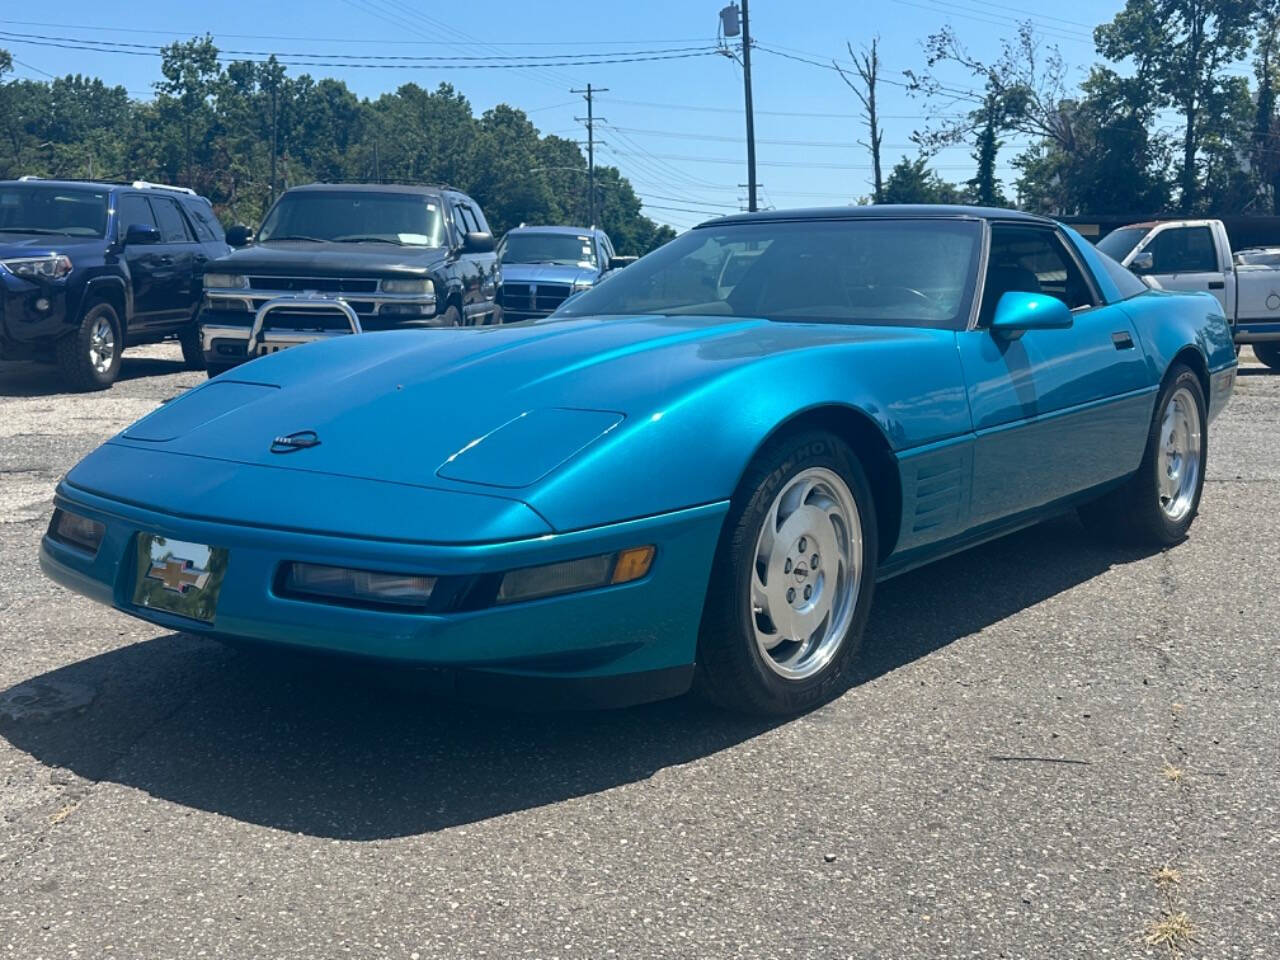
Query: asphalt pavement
point(1055, 749)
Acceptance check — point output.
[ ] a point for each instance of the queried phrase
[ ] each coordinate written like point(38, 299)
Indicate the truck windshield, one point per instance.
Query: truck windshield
point(916, 273)
point(350, 216)
point(547, 248)
point(38, 209)
point(1118, 244)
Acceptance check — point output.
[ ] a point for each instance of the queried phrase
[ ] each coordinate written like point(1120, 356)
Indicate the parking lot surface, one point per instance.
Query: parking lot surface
point(1039, 727)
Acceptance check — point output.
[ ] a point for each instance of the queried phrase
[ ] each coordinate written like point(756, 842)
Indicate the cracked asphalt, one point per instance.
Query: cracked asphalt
point(1038, 727)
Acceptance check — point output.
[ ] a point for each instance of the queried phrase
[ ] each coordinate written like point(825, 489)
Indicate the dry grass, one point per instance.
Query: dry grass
point(62, 814)
point(1167, 877)
point(1173, 931)
point(1173, 774)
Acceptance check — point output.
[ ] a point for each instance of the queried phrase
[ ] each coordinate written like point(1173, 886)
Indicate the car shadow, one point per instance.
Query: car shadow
point(364, 753)
point(31, 379)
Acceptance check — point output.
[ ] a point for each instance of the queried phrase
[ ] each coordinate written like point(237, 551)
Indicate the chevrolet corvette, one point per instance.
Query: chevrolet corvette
point(690, 476)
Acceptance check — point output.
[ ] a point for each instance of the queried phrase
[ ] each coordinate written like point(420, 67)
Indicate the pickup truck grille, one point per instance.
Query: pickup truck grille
point(533, 298)
point(318, 284)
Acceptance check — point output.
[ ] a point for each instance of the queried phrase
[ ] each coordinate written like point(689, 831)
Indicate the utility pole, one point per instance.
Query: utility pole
point(732, 22)
point(590, 121)
point(274, 116)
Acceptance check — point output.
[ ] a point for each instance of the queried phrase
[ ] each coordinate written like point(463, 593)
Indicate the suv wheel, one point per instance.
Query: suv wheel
point(192, 351)
point(89, 358)
point(1269, 353)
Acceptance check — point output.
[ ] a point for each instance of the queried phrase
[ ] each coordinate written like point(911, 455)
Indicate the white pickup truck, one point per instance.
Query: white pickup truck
point(1196, 255)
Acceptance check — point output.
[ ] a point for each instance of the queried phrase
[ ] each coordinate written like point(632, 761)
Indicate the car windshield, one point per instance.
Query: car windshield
point(351, 216)
point(1118, 244)
point(33, 208)
point(566, 248)
point(870, 271)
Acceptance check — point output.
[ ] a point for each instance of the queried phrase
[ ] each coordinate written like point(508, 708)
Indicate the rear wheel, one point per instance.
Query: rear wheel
point(1268, 353)
point(792, 581)
point(1157, 504)
point(89, 358)
point(192, 350)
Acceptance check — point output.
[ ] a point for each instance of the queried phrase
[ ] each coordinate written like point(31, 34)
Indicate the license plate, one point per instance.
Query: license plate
point(179, 577)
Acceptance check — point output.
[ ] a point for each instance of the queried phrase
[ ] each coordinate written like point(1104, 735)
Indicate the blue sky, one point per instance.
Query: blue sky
point(675, 127)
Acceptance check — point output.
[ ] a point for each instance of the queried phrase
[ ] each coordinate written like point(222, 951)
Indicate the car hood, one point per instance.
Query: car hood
point(35, 245)
point(546, 273)
point(499, 406)
point(291, 258)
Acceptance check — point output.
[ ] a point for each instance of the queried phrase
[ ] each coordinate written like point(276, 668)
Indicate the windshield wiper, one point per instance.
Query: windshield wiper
point(370, 239)
point(43, 230)
point(294, 237)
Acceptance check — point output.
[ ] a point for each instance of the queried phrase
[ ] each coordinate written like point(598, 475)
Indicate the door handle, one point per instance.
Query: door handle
point(166, 260)
point(1122, 340)
point(1217, 284)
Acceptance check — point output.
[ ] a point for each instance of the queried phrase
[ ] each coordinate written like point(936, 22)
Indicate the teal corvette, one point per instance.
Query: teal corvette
point(692, 475)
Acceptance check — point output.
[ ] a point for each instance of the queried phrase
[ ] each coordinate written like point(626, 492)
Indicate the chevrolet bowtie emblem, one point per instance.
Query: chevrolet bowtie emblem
point(295, 441)
point(178, 575)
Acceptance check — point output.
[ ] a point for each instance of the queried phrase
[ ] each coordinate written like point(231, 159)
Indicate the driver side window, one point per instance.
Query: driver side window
point(1031, 259)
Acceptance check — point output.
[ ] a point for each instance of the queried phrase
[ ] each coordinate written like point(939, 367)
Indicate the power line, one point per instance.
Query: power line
point(380, 41)
point(318, 60)
point(782, 163)
point(774, 113)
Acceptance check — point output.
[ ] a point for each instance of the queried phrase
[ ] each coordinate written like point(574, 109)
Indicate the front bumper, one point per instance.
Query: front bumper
point(32, 315)
point(627, 643)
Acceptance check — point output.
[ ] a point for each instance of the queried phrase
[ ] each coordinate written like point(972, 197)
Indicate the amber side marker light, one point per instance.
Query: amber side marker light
point(633, 564)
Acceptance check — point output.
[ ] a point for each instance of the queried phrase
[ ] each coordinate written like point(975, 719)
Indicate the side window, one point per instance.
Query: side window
point(135, 211)
point(481, 224)
point(1031, 260)
point(1126, 282)
point(173, 226)
point(467, 219)
point(202, 220)
point(1183, 250)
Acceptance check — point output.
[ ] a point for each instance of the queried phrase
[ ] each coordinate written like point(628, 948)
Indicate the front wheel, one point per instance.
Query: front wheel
point(793, 579)
point(1268, 353)
point(192, 349)
point(1156, 505)
point(89, 358)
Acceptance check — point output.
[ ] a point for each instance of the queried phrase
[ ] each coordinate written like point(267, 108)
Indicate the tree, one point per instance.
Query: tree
point(867, 66)
point(911, 181)
point(190, 69)
point(1182, 47)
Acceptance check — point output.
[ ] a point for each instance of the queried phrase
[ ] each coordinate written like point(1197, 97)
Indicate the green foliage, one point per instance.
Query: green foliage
point(211, 126)
point(911, 181)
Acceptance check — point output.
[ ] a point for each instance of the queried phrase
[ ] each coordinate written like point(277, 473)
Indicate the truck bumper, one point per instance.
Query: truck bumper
point(1257, 331)
point(32, 315)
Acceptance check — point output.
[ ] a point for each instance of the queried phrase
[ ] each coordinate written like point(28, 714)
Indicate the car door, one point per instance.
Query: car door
point(479, 274)
point(184, 259)
point(1186, 258)
point(147, 273)
point(1054, 412)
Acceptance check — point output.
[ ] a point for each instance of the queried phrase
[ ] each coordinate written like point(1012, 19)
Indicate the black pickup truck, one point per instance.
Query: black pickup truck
point(87, 268)
point(337, 259)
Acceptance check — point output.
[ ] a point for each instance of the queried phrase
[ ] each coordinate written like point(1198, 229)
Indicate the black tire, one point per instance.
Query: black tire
point(1268, 353)
point(1133, 513)
point(192, 350)
point(452, 317)
point(78, 355)
point(731, 668)
point(212, 370)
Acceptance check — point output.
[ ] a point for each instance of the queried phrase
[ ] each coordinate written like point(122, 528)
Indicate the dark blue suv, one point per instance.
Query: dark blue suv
point(89, 268)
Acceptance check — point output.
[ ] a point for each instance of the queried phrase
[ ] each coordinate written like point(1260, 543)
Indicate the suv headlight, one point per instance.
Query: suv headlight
point(423, 288)
point(580, 285)
point(226, 281)
point(39, 268)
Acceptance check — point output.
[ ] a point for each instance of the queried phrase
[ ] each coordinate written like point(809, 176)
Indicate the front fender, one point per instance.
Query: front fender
point(692, 446)
point(104, 286)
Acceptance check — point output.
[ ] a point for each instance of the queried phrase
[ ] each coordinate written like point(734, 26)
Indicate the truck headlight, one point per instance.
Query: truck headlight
point(226, 281)
point(39, 268)
point(422, 288)
point(580, 285)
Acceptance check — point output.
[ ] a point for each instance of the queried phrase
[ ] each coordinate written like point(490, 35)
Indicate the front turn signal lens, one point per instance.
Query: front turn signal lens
point(633, 564)
point(76, 531)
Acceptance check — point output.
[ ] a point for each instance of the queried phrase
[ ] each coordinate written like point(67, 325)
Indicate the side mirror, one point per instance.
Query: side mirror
point(1019, 312)
point(617, 263)
point(1143, 262)
point(139, 233)
point(238, 235)
point(477, 242)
